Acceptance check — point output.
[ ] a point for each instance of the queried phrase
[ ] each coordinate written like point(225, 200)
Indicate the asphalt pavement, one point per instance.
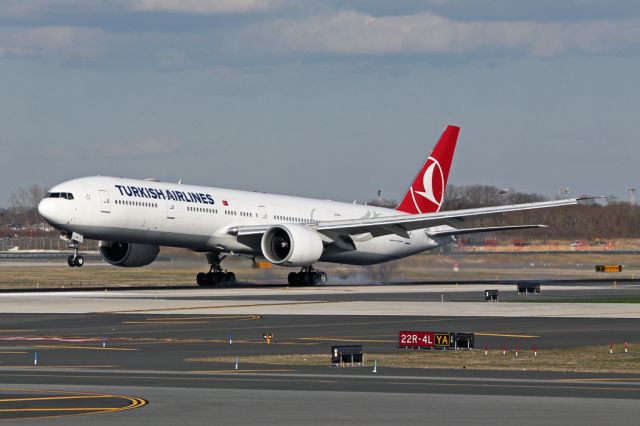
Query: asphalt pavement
point(134, 367)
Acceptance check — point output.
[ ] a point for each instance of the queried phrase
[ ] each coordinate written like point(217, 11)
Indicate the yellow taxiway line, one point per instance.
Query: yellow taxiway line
point(242, 371)
point(95, 348)
point(193, 308)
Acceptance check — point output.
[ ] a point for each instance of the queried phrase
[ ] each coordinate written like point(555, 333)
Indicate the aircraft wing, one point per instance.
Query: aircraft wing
point(462, 231)
point(401, 224)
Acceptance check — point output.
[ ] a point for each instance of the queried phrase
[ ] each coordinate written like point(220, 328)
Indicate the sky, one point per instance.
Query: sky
point(320, 98)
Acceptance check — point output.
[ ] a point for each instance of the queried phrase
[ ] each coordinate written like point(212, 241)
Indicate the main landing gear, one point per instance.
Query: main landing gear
point(75, 259)
point(216, 274)
point(307, 276)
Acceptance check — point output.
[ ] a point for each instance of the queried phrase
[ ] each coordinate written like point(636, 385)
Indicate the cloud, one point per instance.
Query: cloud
point(24, 8)
point(350, 32)
point(27, 8)
point(205, 6)
point(38, 41)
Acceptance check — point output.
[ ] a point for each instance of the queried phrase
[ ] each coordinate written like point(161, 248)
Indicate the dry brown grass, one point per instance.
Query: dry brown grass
point(583, 359)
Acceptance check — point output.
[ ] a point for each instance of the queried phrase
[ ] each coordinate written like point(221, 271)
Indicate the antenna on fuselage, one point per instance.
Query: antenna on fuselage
point(179, 181)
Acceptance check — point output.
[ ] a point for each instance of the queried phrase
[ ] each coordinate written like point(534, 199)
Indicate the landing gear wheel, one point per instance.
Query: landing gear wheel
point(307, 276)
point(78, 261)
point(214, 278)
point(216, 274)
point(202, 279)
point(70, 261)
point(292, 278)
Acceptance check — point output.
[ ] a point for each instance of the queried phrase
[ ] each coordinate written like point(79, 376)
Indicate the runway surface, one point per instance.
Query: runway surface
point(125, 356)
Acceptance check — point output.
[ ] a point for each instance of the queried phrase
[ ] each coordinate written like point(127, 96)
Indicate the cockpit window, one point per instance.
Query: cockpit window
point(65, 195)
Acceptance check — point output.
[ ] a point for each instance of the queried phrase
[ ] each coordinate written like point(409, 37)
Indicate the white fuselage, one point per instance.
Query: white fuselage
point(199, 218)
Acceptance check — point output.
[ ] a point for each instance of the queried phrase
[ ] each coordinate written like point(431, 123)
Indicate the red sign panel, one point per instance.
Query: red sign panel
point(424, 339)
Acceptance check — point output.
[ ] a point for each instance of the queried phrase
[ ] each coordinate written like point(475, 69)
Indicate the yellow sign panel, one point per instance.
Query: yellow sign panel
point(608, 268)
point(442, 339)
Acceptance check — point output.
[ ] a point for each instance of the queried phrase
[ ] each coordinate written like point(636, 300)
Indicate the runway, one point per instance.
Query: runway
point(137, 345)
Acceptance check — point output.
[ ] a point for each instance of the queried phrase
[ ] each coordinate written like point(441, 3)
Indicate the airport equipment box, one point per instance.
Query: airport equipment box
point(349, 354)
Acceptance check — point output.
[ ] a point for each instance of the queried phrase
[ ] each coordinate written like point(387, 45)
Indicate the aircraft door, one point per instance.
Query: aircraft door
point(171, 209)
point(105, 202)
point(262, 214)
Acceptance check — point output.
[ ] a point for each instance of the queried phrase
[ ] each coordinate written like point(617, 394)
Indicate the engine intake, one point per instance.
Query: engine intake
point(291, 245)
point(128, 254)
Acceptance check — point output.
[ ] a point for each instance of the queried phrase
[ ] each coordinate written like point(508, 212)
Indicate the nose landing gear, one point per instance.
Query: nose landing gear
point(307, 276)
point(75, 259)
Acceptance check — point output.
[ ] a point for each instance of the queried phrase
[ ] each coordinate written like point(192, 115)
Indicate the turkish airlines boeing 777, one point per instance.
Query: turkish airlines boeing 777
point(132, 218)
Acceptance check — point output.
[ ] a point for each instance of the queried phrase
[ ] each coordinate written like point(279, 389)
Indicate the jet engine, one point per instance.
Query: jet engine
point(128, 254)
point(291, 245)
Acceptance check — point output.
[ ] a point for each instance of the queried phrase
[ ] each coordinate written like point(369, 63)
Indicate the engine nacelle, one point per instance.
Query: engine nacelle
point(128, 254)
point(291, 245)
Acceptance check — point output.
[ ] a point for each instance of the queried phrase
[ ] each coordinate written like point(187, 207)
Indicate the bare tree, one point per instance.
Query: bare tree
point(24, 204)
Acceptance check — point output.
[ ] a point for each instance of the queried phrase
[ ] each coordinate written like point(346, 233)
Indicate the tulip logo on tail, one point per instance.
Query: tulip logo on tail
point(432, 187)
point(426, 193)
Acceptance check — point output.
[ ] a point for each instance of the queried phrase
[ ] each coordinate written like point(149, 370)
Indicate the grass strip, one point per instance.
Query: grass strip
point(593, 359)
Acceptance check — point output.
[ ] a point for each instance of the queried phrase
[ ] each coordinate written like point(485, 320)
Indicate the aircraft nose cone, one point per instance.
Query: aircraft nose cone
point(46, 210)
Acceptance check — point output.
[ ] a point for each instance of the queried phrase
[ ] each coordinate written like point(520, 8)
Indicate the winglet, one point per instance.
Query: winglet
point(426, 193)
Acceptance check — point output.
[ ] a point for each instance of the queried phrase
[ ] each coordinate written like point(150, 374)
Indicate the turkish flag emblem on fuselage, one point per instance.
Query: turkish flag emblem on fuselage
point(426, 193)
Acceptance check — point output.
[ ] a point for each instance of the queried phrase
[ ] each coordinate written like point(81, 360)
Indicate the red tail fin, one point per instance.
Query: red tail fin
point(426, 193)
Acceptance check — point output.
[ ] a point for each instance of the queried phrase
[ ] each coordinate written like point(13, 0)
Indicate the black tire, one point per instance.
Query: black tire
point(214, 278)
point(292, 278)
point(202, 279)
point(230, 277)
point(70, 261)
point(78, 261)
point(314, 277)
point(323, 277)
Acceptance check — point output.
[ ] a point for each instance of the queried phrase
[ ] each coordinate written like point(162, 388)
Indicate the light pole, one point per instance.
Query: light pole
point(632, 194)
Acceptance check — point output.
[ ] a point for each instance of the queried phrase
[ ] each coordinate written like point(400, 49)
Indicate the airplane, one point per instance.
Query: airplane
point(132, 218)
